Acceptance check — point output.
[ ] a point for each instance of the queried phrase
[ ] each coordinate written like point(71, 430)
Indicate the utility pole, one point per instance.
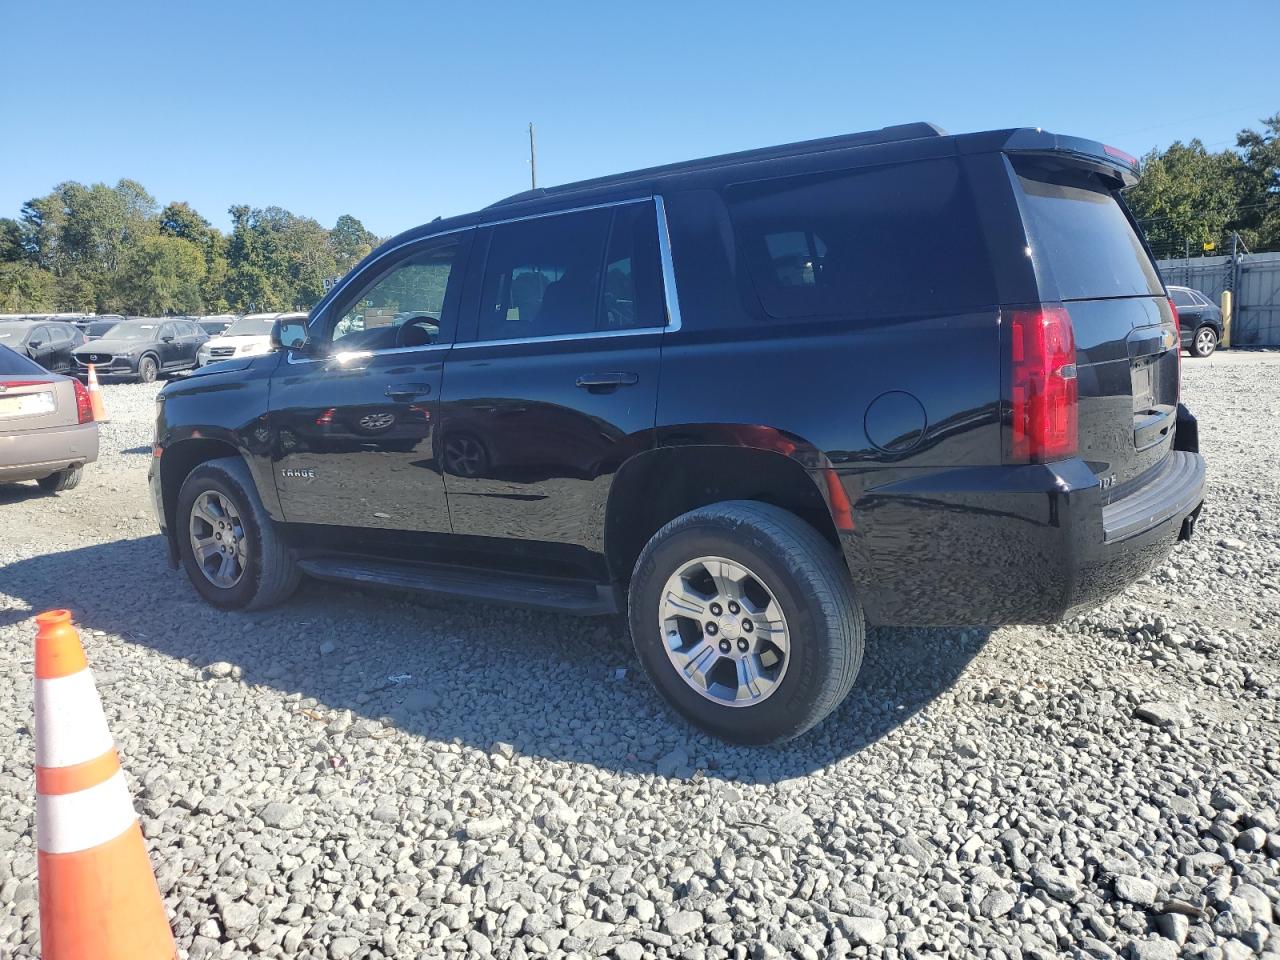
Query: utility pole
point(533, 160)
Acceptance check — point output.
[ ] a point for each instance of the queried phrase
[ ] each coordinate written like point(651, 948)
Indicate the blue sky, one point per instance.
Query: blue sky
point(397, 112)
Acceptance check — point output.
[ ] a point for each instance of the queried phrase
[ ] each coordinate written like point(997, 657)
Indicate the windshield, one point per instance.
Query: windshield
point(133, 331)
point(250, 327)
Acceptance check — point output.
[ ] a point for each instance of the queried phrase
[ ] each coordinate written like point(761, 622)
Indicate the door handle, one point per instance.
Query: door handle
point(600, 382)
point(408, 391)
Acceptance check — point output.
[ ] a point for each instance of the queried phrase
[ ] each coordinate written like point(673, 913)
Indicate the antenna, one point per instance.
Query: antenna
point(533, 160)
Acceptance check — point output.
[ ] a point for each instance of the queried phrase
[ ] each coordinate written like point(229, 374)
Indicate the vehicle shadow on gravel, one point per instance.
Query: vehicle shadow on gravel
point(557, 687)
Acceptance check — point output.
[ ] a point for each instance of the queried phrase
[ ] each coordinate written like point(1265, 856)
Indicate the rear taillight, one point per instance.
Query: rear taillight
point(1177, 344)
point(84, 406)
point(1044, 392)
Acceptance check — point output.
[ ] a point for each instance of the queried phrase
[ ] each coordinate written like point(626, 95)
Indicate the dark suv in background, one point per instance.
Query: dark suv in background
point(142, 349)
point(1199, 321)
point(754, 401)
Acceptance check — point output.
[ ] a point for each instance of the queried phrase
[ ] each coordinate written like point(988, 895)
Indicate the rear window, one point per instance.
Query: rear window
point(14, 363)
point(1079, 231)
point(888, 241)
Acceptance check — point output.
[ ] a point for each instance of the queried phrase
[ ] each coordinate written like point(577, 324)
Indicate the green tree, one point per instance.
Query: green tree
point(276, 260)
point(1186, 197)
point(162, 275)
point(24, 286)
point(83, 234)
point(351, 242)
point(1260, 190)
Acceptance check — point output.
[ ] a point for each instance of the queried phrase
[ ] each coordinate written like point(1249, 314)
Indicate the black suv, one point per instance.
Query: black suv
point(1199, 320)
point(755, 401)
point(143, 348)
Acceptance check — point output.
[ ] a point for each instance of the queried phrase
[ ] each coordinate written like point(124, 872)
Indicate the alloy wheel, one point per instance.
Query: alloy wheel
point(724, 631)
point(218, 540)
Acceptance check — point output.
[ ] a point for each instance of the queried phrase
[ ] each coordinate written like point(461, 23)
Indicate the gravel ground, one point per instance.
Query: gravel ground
point(366, 775)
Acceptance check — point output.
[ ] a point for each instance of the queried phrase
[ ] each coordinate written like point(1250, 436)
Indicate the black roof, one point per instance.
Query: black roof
point(902, 131)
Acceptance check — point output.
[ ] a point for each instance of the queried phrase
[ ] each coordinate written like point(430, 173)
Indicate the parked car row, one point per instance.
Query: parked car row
point(140, 348)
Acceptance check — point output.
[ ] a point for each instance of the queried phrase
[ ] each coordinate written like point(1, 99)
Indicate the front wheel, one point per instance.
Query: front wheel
point(147, 370)
point(1204, 342)
point(229, 547)
point(744, 618)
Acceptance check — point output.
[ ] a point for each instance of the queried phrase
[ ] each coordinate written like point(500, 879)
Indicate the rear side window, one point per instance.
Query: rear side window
point(888, 241)
point(542, 277)
point(632, 294)
point(1079, 231)
point(14, 363)
point(1182, 298)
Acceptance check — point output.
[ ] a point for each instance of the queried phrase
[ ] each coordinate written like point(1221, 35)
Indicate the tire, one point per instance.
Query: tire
point(148, 369)
point(66, 479)
point(267, 573)
point(1204, 342)
point(808, 582)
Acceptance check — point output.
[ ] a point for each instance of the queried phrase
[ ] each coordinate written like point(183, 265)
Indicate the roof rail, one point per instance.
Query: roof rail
point(902, 131)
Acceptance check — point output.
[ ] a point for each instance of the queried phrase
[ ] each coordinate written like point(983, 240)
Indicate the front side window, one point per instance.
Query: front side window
point(405, 306)
point(542, 277)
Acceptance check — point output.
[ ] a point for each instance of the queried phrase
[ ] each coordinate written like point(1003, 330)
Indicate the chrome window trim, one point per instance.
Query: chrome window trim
point(342, 356)
point(558, 337)
point(668, 267)
point(555, 213)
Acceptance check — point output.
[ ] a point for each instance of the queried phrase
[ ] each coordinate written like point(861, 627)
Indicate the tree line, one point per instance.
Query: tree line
point(1191, 199)
point(112, 249)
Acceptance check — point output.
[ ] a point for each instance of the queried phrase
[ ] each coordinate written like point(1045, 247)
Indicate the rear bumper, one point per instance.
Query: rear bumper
point(39, 453)
point(1000, 545)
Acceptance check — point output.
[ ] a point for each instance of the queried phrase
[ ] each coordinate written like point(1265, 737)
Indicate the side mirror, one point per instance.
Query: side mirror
point(167, 338)
point(35, 343)
point(289, 334)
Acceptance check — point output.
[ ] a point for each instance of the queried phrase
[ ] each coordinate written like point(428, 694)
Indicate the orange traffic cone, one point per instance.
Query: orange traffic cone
point(98, 896)
point(95, 397)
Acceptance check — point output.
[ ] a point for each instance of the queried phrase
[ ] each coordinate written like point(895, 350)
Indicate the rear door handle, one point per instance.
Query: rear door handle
point(607, 381)
point(408, 391)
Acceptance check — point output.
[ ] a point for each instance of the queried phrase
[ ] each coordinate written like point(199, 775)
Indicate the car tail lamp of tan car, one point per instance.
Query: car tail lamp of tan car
point(84, 405)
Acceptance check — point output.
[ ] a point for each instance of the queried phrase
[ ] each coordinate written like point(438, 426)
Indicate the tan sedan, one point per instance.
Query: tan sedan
point(47, 431)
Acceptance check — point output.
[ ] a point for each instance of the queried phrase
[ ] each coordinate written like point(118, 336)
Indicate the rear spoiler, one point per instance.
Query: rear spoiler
point(1077, 152)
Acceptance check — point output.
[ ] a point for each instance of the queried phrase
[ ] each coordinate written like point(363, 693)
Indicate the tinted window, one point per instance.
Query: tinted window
point(1182, 298)
point(888, 241)
point(632, 294)
point(1202, 299)
point(1079, 231)
point(409, 294)
point(542, 276)
point(12, 363)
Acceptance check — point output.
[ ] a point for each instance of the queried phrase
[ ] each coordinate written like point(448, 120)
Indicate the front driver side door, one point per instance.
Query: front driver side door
point(352, 417)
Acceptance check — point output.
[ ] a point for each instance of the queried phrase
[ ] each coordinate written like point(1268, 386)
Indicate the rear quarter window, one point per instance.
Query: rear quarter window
point(881, 242)
point(1081, 236)
point(12, 363)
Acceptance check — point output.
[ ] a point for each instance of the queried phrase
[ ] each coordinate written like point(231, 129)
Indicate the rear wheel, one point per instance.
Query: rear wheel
point(147, 370)
point(1204, 342)
point(745, 620)
point(67, 479)
point(229, 546)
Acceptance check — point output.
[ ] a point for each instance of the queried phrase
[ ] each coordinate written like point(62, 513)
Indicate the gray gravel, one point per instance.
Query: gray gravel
point(364, 775)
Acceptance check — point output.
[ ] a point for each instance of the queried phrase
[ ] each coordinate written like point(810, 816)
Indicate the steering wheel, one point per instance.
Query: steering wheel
point(418, 331)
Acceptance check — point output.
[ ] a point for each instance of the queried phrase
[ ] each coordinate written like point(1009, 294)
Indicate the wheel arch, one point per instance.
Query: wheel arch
point(655, 487)
point(179, 459)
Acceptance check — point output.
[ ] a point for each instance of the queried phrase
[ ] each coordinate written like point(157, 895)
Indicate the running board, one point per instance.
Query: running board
point(544, 593)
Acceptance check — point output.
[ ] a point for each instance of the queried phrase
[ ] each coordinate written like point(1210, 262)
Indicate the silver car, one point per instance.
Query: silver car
point(47, 430)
